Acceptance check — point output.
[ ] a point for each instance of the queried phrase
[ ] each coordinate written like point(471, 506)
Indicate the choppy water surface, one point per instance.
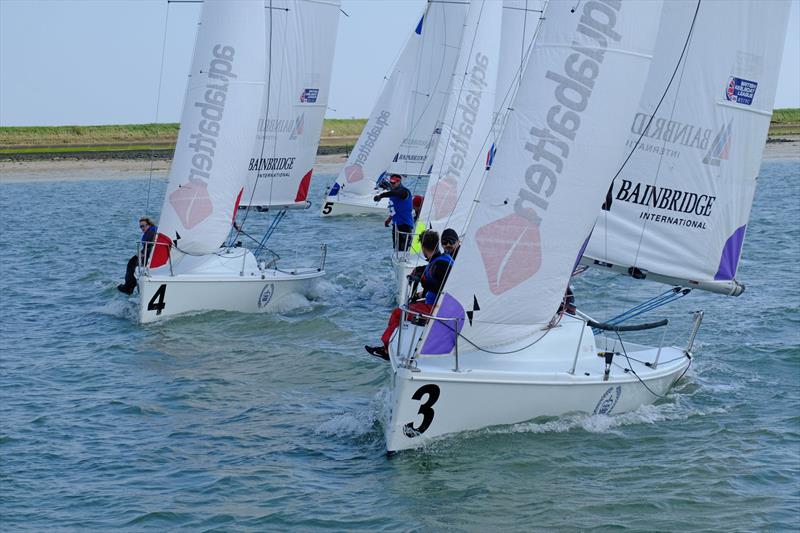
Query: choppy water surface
point(236, 422)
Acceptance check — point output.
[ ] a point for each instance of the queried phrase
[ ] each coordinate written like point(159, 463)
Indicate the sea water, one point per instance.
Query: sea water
point(234, 422)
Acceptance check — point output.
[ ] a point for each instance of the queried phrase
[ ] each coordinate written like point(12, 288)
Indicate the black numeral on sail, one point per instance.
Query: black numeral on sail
point(156, 303)
point(425, 409)
point(326, 209)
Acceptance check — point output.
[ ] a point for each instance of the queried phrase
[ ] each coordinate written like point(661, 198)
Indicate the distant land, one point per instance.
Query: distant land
point(145, 141)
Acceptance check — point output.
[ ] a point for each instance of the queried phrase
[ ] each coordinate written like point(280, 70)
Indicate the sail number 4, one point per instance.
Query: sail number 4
point(425, 409)
point(156, 303)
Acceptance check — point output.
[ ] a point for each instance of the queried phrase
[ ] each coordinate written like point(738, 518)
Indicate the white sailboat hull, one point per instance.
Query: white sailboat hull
point(216, 283)
point(353, 205)
point(433, 399)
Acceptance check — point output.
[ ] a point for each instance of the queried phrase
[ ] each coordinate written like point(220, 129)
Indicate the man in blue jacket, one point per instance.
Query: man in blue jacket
point(401, 208)
point(149, 232)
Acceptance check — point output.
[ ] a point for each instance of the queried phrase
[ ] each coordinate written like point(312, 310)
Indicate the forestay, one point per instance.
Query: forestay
point(217, 127)
point(391, 120)
point(680, 206)
point(301, 36)
point(442, 29)
point(562, 144)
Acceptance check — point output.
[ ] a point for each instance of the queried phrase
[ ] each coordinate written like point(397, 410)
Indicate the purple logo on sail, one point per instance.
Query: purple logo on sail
point(442, 336)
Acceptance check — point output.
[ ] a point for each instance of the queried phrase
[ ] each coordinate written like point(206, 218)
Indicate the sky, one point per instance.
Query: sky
point(83, 62)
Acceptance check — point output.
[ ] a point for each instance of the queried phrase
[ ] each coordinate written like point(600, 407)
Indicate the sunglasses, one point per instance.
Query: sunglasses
point(142, 226)
point(448, 243)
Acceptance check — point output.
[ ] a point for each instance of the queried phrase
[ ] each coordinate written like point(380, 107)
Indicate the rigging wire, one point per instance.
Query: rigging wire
point(158, 105)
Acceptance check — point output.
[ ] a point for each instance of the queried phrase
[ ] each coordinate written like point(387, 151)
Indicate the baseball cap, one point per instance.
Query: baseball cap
point(395, 178)
point(449, 236)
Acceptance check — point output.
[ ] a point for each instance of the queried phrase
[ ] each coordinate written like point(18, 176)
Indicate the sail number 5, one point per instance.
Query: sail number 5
point(326, 209)
point(425, 409)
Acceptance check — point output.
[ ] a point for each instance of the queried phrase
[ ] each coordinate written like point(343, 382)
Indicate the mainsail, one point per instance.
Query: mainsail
point(217, 127)
point(403, 112)
point(562, 144)
point(301, 35)
point(678, 210)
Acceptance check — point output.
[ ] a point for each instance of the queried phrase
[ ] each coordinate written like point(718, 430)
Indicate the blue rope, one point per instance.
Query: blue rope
point(665, 298)
point(270, 231)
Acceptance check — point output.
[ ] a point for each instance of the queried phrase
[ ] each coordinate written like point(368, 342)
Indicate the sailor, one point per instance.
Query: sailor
point(433, 278)
point(450, 242)
point(568, 303)
point(149, 232)
point(400, 207)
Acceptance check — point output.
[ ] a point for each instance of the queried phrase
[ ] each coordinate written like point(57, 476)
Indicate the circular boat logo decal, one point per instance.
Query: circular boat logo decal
point(608, 401)
point(266, 295)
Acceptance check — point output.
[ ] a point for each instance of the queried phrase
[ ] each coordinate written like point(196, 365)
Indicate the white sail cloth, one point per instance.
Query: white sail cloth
point(466, 129)
point(680, 206)
point(217, 127)
point(394, 118)
point(442, 29)
point(561, 146)
point(488, 71)
point(301, 37)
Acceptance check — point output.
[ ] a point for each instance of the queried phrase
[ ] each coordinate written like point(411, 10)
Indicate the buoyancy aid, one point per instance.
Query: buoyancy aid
point(416, 245)
point(428, 277)
point(402, 208)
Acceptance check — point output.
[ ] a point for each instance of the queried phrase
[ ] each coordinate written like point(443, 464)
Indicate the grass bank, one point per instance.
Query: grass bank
point(336, 134)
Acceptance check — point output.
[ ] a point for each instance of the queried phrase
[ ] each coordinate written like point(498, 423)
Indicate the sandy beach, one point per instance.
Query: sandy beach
point(105, 169)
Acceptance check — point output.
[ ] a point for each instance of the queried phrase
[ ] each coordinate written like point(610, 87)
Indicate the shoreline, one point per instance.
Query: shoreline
point(83, 169)
point(77, 169)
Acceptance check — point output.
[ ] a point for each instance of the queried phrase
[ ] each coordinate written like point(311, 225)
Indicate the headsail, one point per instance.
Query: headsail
point(497, 39)
point(217, 127)
point(391, 121)
point(301, 35)
point(561, 146)
point(442, 28)
point(466, 127)
point(679, 209)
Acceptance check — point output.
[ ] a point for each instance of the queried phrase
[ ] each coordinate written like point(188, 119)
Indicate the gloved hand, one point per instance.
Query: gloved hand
point(387, 222)
point(376, 198)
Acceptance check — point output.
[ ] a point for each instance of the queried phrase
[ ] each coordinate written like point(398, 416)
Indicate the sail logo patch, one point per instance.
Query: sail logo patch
point(191, 203)
point(741, 91)
point(511, 251)
point(608, 401)
point(720, 148)
point(445, 197)
point(266, 295)
point(309, 96)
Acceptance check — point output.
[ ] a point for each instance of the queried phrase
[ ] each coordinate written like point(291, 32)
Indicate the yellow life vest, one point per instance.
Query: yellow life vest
point(416, 244)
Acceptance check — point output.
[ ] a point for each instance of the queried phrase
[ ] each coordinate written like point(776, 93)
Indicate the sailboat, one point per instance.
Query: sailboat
point(496, 350)
point(251, 120)
point(497, 39)
point(402, 128)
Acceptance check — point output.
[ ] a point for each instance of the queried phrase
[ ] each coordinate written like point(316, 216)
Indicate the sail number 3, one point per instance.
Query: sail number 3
point(425, 409)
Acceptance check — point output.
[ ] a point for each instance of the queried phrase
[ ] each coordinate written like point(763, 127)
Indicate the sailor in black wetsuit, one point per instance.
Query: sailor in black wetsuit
point(149, 232)
point(401, 209)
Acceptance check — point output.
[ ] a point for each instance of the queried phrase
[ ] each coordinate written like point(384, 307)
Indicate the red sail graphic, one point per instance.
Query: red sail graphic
point(354, 173)
point(302, 190)
point(191, 203)
point(445, 196)
point(511, 251)
point(161, 251)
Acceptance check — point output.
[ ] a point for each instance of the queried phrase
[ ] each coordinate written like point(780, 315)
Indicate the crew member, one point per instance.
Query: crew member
point(400, 207)
point(419, 227)
point(432, 280)
point(149, 232)
point(450, 242)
